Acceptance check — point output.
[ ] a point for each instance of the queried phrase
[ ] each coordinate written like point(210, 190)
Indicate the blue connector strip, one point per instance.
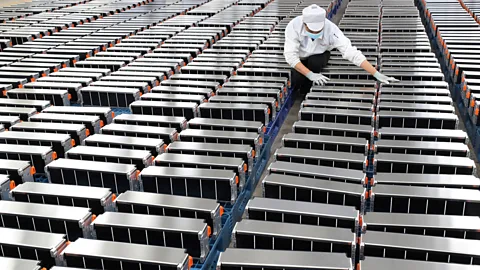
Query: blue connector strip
point(233, 213)
point(119, 111)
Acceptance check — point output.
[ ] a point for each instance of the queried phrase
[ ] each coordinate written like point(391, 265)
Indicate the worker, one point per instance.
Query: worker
point(308, 41)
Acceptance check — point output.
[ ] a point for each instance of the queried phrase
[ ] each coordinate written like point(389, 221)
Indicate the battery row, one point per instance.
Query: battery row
point(279, 231)
point(459, 55)
point(411, 160)
point(373, 175)
point(148, 187)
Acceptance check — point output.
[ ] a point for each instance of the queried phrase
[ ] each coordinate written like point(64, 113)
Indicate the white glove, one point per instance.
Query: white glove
point(317, 78)
point(384, 79)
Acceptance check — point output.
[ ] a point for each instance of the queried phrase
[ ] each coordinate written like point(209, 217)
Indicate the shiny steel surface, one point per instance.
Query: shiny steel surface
point(124, 251)
point(284, 259)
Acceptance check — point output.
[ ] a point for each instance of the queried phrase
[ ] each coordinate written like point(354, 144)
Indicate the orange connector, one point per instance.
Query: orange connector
point(190, 262)
point(12, 185)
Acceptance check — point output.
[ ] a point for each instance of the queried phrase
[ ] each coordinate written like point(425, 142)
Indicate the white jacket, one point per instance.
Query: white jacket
point(299, 46)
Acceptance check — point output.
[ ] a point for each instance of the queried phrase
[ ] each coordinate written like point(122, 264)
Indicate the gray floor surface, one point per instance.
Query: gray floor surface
point(293, 114)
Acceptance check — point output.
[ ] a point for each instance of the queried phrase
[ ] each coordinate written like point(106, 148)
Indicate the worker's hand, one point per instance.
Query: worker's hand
point(317, 78)
point(384, 79)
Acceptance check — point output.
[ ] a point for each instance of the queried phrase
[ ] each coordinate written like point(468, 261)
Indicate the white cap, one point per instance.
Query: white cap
point(314, 17)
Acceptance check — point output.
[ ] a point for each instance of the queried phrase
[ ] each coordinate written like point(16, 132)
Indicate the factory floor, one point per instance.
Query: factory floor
point(293, 114)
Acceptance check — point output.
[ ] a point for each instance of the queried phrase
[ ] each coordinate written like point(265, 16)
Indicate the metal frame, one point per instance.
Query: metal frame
point(140, 158)
point(220, 185)
point(19, 244)
point(153, 230)
point(234, 258)
point(74, 222)
point(121, 255)
point(117, 177)
point(168, 135)
point(97, 199)
point(256, 234)
point(312, 190)
point(425, 200)
point(421, 248)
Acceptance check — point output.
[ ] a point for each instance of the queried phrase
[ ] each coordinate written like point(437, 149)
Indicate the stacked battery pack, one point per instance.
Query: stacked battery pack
point(453, 28)
point(419, 156)
point(313, 195)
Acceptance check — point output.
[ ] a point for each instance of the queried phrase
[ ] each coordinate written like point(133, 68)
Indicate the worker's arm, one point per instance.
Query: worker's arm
point(349, 52)
point(379, 76)
point(368, 67)
point(302, 69)
point(291, 50)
